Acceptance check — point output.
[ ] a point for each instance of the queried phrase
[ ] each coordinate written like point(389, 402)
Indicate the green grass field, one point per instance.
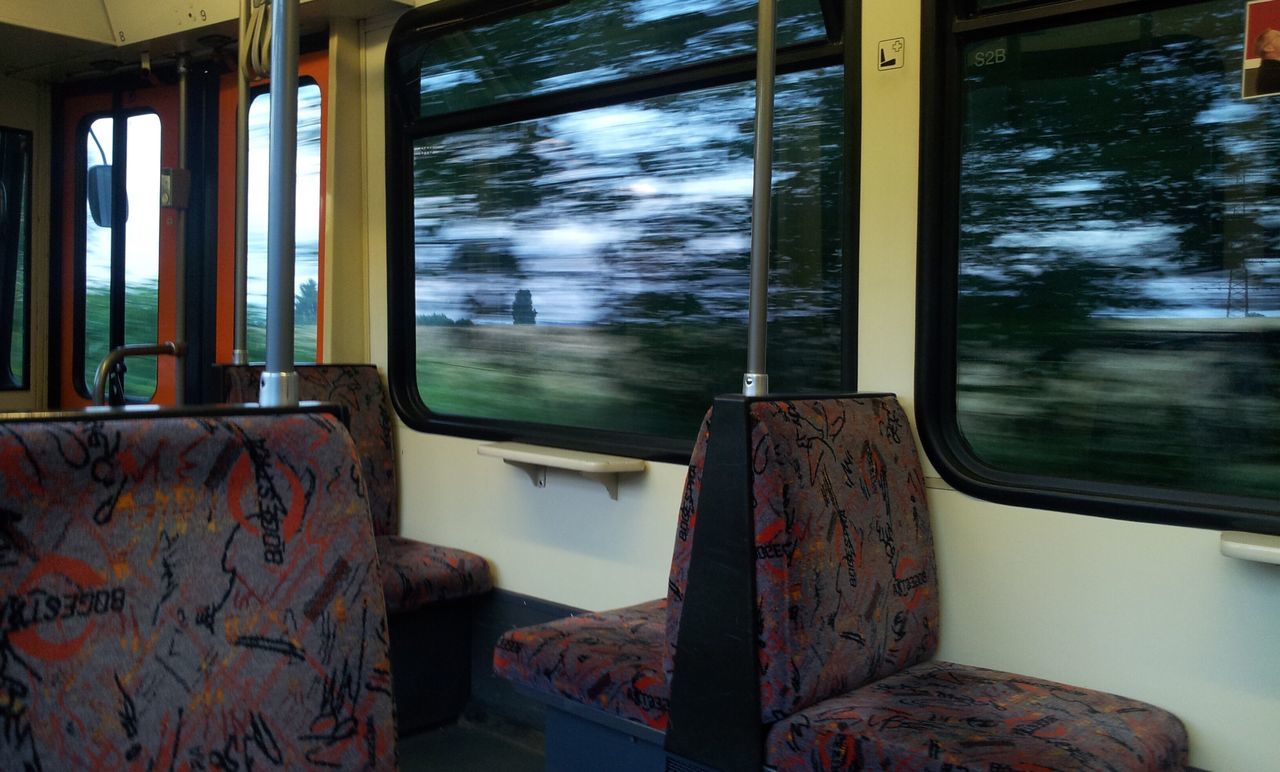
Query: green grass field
point(140, 322)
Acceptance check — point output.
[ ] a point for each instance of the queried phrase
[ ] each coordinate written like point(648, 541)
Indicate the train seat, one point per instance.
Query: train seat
point(799, 629)
point(428, 587)
point(193, 591)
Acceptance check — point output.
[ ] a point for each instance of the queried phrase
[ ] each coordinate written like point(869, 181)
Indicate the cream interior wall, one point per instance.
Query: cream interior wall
point(27, 106)
point(1148, 611)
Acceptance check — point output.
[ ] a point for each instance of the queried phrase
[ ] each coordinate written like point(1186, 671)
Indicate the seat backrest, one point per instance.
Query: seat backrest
point(845, 581)
point(360, 389)
point(198, 592)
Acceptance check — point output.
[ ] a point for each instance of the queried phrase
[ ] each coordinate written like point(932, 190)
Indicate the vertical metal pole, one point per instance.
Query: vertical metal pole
point(180, 214)
point(279, 380)
point(755, 382)
point(239, 347)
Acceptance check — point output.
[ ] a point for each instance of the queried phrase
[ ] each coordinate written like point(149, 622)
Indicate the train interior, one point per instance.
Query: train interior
point(519, 281)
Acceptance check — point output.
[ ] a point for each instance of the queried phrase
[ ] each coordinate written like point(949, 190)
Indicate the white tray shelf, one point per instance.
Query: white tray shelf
point(536, 459)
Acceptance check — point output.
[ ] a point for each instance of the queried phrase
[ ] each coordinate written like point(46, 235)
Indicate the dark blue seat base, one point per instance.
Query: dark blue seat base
point(574, 742)
point(431, 660)
point(579, 737)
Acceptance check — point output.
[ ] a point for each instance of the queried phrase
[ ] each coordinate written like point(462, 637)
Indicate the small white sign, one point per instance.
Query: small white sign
point(892, 53)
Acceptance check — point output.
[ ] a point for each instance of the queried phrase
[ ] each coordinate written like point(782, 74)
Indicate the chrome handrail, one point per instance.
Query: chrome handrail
point(118, 354)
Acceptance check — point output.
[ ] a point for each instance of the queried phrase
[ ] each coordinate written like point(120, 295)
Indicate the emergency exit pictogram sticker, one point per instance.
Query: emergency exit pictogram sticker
point(892, 53)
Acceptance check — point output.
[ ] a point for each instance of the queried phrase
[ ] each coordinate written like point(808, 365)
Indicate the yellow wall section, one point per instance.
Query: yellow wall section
point(1152, 612)
point(346, 298)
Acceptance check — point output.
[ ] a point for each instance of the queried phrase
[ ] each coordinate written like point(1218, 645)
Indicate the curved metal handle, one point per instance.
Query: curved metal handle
point(118, 354)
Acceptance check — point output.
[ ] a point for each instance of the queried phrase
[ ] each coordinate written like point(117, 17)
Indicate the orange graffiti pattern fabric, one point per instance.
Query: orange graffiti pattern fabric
point(845, 573)
point(189, 593)
point(847, 604)
point(611, 660)
point(359, 389)
point(415, 573)
point(942, 716)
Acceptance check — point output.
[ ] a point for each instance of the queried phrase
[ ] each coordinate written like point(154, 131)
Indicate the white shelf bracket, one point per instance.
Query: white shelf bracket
point(608, 479)
point(1260, 548)
point(537, 472)
point(535, 460)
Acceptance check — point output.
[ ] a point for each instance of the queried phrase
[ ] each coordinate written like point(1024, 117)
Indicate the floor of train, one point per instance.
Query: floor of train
point(473, 744)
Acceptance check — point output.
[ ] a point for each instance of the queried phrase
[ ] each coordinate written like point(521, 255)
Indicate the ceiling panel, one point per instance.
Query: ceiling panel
point(82, 19)
point(130, 30)
point(137, 20)
point(30, 54)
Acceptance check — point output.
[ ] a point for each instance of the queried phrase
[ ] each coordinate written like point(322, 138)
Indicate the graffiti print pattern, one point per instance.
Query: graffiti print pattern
point(940, 716)
point(611, 660)
point(844, 570)
point(844, 554)
point(414, 574)
point(187, 592)
point(359, 389)
point(846, 596)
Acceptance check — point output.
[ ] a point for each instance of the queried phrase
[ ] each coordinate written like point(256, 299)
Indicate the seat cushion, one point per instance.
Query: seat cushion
point(940, 715)
point(611, 660)
point(415, 573)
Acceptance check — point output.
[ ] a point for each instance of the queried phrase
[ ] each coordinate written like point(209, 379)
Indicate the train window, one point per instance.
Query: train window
point(574, 264)
point(1103, 333)
point(585, 43)
point(15, 254)
point(307, 236)
point(121, 244)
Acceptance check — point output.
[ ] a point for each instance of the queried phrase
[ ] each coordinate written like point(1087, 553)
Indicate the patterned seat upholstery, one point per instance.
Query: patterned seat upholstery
point(189, 592)
point(846, 601)
point(611, 660)
point(940, 715)
point(415, 573)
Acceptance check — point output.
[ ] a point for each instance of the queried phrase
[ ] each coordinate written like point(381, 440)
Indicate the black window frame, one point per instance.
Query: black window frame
point(16, 225)
point(842, 19)
point(948, 26)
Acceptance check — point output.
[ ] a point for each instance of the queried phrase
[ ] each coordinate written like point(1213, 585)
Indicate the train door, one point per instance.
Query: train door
point(118, 243)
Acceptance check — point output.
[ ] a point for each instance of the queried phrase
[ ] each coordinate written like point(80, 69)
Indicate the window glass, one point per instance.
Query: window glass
point(579, 274)
point(18, 323)
point(141, 254)
point(591, 41)
point(307, 233)
point(15, 243)
point(1119, 264)
point(591, 269)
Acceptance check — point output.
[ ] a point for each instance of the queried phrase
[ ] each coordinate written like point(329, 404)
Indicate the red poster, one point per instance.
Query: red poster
point(1261, 75)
